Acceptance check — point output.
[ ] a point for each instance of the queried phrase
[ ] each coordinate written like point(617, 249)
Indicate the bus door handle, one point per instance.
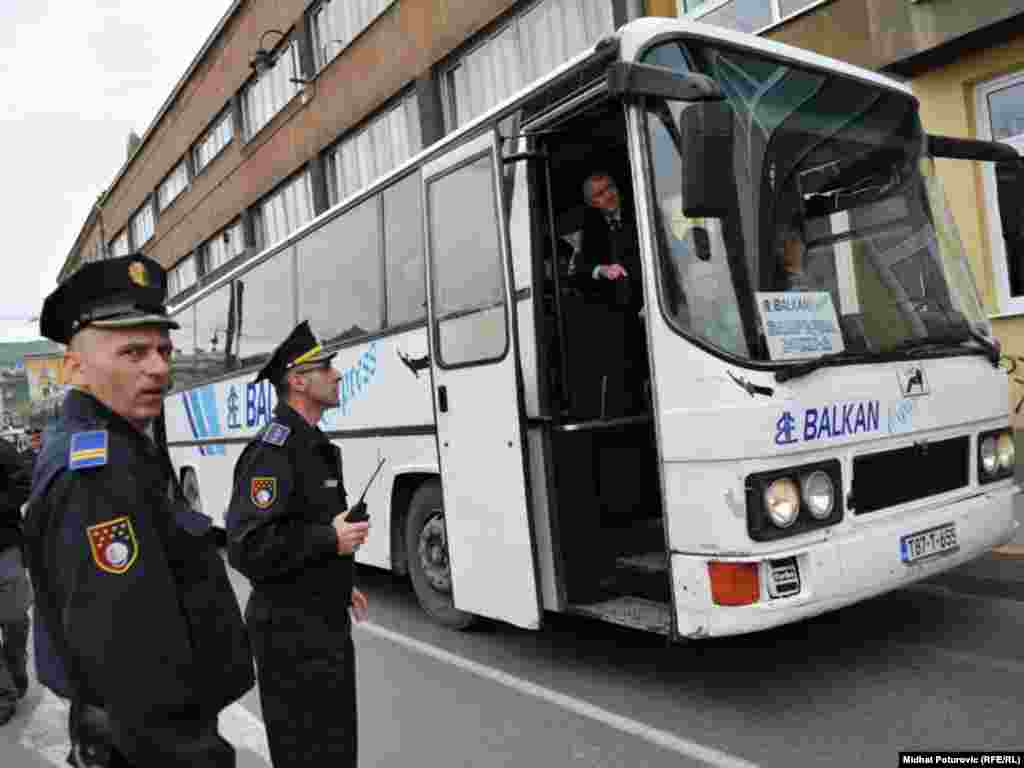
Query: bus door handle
point(442, 398)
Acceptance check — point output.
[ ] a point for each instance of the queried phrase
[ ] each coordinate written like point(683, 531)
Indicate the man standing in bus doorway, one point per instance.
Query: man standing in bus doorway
point(609, 267)
point(289, 533)
point(136, 622)
point(15, 593)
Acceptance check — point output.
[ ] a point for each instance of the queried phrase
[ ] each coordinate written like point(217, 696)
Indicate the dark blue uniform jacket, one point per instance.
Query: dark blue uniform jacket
point(149, 621)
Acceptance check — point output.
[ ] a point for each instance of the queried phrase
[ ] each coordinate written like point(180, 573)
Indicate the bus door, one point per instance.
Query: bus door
point(476, 390)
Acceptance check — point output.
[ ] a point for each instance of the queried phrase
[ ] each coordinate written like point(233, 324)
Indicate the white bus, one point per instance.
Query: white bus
point(769, 456)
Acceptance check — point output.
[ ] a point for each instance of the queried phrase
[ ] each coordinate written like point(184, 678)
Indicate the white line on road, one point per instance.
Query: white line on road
point(655, 736)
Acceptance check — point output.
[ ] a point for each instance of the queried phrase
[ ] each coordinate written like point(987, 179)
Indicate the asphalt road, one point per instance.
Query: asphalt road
point(923, 668)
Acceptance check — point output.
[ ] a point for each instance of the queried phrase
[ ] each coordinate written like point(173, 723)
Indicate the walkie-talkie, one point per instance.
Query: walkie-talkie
point(357, 512)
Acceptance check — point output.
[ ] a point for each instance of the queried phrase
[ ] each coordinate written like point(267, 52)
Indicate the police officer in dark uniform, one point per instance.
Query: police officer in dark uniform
point(289, 533)
point(136, 622)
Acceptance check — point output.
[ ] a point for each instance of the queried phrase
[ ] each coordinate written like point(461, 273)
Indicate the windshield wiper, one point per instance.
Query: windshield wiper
point(986, 348)
point(796, 370)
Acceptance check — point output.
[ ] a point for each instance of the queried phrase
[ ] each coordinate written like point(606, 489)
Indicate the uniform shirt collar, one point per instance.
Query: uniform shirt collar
point(289, 417)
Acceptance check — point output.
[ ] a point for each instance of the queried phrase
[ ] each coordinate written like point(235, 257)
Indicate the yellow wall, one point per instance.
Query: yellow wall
point(44, 372)
point(661, 8)
point(948, 107)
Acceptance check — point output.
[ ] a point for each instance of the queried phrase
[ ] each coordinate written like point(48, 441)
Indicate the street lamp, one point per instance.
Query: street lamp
point(264, 59)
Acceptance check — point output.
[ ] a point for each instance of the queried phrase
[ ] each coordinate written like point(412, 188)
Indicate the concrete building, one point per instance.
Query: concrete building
point(237, 158)
point(965, 63)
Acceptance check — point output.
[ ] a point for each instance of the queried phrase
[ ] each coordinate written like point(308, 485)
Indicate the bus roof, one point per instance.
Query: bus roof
point(630, 39)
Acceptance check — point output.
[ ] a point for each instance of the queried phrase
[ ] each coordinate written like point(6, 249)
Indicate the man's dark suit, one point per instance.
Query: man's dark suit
point(605, 334)
point(604, 244)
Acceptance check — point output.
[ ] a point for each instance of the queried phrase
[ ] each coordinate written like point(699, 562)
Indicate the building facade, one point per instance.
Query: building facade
point(239, 157)
point(965, 63)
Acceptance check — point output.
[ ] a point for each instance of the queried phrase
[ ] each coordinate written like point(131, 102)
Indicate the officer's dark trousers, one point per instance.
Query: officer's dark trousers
point(13, 672)
point(306, 670)
point(191, 743)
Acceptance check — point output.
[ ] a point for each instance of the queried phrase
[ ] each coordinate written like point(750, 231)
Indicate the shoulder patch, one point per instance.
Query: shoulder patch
point(113, 544)
point(263, 491)
point(88, 449)
point(276, 434)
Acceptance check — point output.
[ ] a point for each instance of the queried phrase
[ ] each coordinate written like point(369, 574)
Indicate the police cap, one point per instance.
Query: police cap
point(300, 348)
point(123, 292)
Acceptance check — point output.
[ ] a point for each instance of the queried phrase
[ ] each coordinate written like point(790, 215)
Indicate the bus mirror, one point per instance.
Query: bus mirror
point(628, 79)
point(706, 136)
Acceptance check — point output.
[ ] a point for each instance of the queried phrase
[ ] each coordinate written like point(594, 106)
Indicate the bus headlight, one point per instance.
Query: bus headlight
point(782, 502)
point(996, 455)
point(818, 493)
point(987, 452)
point(1005, 452)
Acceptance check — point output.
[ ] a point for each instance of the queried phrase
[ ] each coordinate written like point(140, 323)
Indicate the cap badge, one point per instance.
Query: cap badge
point(137, 272)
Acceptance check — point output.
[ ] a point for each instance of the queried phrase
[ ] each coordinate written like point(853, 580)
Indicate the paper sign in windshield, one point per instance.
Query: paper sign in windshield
point(799, 324)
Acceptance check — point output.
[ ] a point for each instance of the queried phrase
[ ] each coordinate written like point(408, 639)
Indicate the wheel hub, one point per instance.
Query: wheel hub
point(433, 552)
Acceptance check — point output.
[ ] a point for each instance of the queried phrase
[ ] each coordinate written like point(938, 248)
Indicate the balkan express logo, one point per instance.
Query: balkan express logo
point(830, 421)
point(203, 419)
point(354, 384)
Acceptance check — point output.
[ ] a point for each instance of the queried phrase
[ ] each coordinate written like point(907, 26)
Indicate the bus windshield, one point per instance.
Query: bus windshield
point(834, 237)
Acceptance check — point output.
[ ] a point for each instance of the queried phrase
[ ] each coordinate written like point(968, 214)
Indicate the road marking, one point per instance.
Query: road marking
point(244, 730)
point(46, 733)
point(655, 736)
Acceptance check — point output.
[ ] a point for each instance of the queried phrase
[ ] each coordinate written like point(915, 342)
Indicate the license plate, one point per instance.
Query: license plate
point(924, 545)
point(784, 578)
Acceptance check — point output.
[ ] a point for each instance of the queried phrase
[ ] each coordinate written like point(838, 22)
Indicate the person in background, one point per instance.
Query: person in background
point(15, 593)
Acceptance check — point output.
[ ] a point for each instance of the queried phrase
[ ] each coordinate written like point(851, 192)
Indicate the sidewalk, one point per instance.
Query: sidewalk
point(997, 574)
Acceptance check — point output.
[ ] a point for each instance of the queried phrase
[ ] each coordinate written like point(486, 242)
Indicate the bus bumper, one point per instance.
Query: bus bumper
point(858, 562)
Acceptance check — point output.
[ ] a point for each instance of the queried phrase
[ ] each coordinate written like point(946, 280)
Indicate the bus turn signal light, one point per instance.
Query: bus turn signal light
point(734, 583)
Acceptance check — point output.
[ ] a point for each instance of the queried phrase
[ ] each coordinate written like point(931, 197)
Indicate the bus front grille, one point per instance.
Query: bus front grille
point(895, 477)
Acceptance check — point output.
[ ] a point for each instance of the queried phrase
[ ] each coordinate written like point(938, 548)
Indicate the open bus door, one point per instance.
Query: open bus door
point(476, 391)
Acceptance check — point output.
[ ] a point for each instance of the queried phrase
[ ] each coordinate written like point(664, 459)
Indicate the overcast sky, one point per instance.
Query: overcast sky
point(75, 77)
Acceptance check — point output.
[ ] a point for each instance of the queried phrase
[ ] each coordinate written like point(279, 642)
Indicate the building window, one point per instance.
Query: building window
point(540, 38)
point(743, 15)
point(336, 23)
point(181, 276)
point(222, 247)
point(142, 225)
point(285, 210)
point(215, 139)
point(173, 185)
point(387, 141)
point(1000, 108)
point(119, 245)
point(268, 94)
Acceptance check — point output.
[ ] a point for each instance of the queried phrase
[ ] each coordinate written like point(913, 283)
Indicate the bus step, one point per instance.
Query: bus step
point(633, 612)
point(648, 562)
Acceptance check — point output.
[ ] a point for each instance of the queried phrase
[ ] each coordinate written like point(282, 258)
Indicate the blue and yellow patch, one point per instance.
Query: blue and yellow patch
point(276, 434)
point(88, 449)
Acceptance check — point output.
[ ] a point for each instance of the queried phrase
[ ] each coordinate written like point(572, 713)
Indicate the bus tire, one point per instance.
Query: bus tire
point(427, 552)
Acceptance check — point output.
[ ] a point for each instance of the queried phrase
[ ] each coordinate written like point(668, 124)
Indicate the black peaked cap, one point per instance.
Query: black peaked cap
point(300, 348)
point(123, 292)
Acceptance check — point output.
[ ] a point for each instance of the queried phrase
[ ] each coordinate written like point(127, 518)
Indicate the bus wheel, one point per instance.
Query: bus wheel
point(426, 544)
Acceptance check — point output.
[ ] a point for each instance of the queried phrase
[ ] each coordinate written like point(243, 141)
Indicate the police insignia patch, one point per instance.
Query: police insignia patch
point(276, 434)
point(263, 491)
point(113, 544)
point(88, 449)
